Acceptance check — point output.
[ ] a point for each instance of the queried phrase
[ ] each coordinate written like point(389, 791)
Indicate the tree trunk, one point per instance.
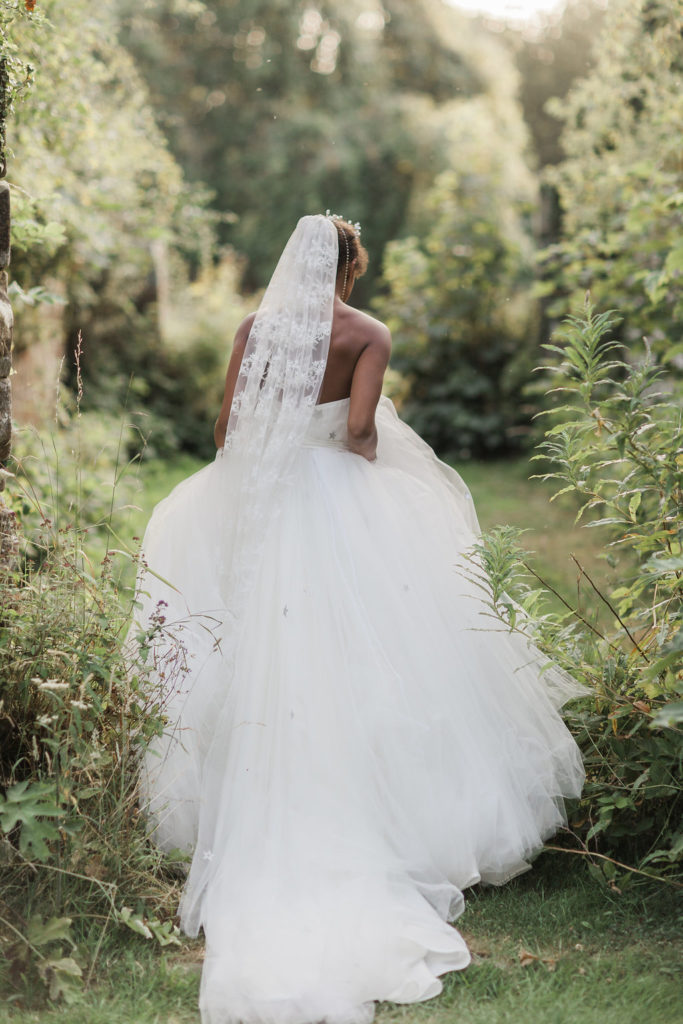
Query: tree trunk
point(8, 526)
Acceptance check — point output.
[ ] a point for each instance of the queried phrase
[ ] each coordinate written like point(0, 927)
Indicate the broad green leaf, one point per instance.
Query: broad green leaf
point(40, 932)
point(29, 804)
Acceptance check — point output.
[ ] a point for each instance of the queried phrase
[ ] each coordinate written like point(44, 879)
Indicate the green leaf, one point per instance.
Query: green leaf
point(133, 921)
point(54, 929)
point(28, 804)
point(62, 977)
point(674, 260)
point(668, 717)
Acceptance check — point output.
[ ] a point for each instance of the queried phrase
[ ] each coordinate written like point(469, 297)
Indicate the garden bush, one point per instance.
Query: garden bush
point(616, 444)
point(76, 714)
point(457, 296)
point(620, 186)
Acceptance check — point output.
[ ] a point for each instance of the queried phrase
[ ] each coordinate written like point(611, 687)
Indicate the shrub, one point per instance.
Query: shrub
point(75, 718)
point(172, 386)
point(457, 295)
point(620, 187)
point(617, 445)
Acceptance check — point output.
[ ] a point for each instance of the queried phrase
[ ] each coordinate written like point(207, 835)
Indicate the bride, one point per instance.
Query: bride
point(348, 746)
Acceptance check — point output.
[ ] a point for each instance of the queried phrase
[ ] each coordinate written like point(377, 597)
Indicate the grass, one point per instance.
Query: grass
point(597, 957)
point(156, 479)
point(603, 957)
point(504, 494)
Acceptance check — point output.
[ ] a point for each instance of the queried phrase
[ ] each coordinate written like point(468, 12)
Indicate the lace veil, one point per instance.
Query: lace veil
point(276, 391)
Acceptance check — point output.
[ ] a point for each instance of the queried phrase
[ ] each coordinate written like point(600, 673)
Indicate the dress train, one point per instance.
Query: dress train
point(368, 753)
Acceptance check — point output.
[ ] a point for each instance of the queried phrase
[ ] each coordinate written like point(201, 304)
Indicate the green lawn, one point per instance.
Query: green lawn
point(155, 478)
point(596, 957)
point(504, 495)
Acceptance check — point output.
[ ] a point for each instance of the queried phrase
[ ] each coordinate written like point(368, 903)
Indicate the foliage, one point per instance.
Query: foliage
point(550, 54)
point(256, 96)
point(97, 199)
point(172, 386)
point(91, 161)
point(76, 712)
point(69, 476)
point(618, 447)
point(620, 188)
point(457, 293)
point(38, 956)
point(15, 73)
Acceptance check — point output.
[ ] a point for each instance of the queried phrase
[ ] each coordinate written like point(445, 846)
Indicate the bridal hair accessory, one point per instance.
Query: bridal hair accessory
point(356, 228)
point(346, 265)
point(338, 216)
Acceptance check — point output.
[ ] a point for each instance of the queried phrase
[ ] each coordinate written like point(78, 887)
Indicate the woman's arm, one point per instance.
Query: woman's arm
point(366, 389)
point(238, 347)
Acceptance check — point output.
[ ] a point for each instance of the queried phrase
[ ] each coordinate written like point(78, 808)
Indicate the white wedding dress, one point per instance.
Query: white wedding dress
point(373, 744)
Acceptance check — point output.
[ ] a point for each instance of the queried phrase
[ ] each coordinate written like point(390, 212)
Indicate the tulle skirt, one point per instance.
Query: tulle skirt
point(375, 745)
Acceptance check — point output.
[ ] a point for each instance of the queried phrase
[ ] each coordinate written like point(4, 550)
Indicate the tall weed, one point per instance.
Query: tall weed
point(76, 715)
point(616, 446)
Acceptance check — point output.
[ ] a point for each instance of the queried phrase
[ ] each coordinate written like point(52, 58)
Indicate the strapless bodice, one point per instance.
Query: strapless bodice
point(327, 428)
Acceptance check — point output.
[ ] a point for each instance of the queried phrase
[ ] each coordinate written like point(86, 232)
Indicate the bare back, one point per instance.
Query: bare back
point(356, 362)
point(352, 332)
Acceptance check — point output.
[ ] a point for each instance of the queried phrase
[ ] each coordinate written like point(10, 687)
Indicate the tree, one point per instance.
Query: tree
point(268, 103)
point(550, 55)
point(286, 108)
point(457, 291)
point(621, 185)
point(96, 192)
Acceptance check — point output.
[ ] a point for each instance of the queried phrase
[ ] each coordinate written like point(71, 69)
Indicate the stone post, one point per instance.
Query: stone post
point(8, 527)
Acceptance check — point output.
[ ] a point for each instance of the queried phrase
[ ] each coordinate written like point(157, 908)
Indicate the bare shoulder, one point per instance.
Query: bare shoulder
point(372, 331)
point(242, 332)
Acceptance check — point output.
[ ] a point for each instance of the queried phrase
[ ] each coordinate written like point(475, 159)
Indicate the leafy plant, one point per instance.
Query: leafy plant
point(32, 956)
point(76, 714)
point(617, 446)
point(15, 72)
point(620, 186)
point(24, 808)
point(457, 298)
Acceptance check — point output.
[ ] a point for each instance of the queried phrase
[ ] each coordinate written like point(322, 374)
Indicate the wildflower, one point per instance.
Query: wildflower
point(45, 721)
point(51, 684)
